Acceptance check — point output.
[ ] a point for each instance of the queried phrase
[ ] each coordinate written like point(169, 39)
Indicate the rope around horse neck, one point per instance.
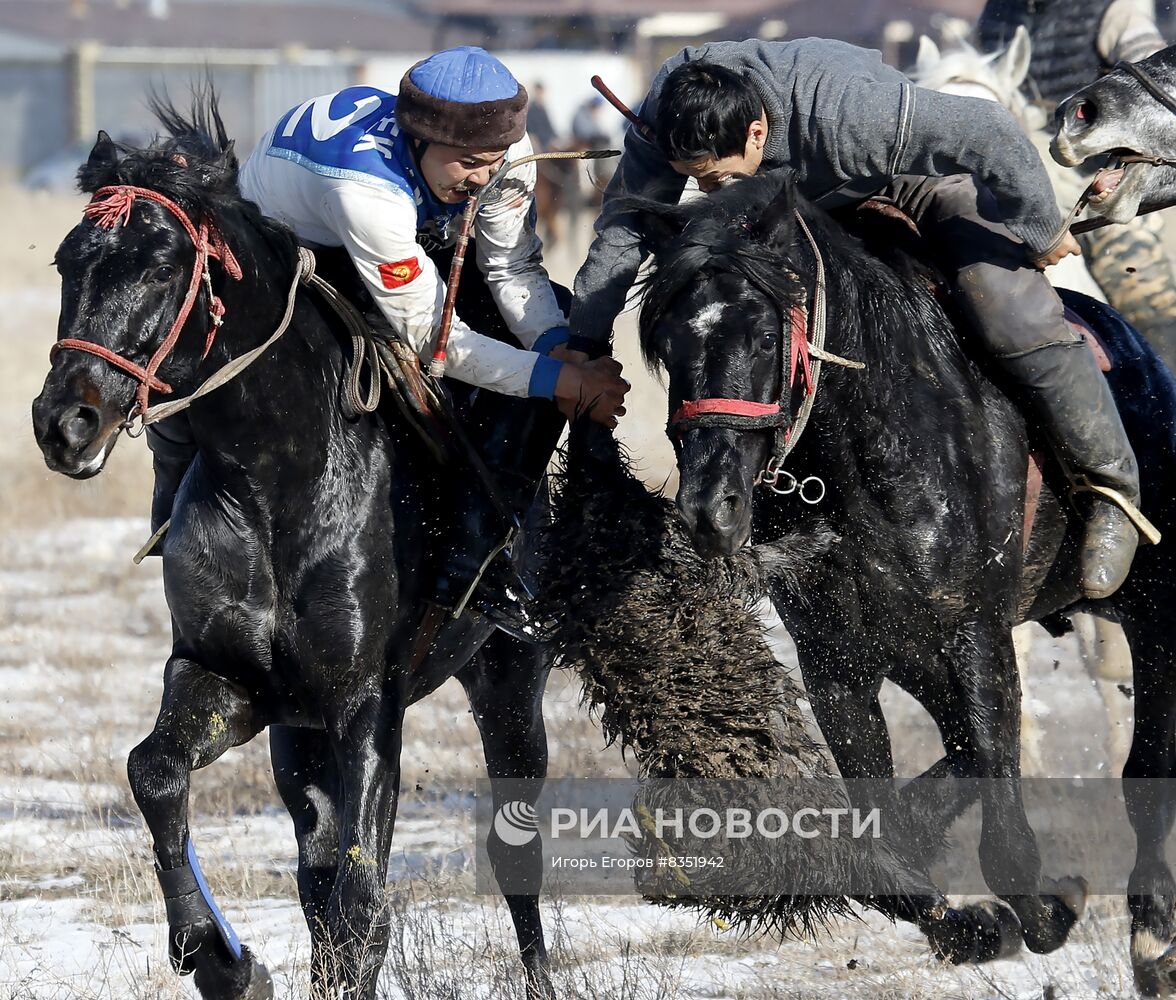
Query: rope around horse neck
point(303, 271)
point(816, 346)
point(363, 349)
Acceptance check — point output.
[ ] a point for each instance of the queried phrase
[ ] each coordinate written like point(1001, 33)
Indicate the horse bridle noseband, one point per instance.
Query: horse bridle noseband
point(111, 207)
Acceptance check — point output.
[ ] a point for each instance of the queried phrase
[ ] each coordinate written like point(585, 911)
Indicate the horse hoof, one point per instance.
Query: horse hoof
point(1065, 902)
point(1153, 961)
point(979, 932)
point(243, 978)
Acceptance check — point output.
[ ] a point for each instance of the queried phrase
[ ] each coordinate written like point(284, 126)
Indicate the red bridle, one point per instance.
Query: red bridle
point(111, 207)
point(742, 414)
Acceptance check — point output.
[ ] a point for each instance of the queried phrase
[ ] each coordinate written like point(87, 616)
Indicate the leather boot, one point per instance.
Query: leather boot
point(516, 438)
point(172, 452)
point(1073, 401)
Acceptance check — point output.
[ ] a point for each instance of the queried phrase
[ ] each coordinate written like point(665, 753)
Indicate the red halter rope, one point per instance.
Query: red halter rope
point(111, 207)
point(744, 415)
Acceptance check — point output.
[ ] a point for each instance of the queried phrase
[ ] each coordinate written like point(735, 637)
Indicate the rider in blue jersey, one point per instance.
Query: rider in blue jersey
point(386, 177)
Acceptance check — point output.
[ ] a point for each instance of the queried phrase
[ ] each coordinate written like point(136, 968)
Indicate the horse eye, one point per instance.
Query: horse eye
point(165, 272)
point(768, 340)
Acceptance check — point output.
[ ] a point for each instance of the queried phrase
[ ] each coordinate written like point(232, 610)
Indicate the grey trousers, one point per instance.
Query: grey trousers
point(1010, 304)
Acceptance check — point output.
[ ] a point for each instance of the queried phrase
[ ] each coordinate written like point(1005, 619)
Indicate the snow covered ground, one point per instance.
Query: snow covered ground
point(83, 638)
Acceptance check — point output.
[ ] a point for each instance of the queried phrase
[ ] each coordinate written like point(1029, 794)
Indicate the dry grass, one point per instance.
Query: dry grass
point(83, 638)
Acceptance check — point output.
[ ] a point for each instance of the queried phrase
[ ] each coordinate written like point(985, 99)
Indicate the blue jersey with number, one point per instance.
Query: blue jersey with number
point(353, 135)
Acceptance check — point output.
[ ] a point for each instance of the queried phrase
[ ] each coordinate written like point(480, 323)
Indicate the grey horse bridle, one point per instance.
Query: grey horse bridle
point(1161, 96)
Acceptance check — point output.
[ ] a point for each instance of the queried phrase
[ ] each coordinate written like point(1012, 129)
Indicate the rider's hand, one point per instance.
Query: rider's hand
point(562, 353)
point(1068, 246)
point(595, 387)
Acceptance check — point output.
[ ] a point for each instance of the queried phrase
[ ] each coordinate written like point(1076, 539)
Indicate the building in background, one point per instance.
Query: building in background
point(70, 67)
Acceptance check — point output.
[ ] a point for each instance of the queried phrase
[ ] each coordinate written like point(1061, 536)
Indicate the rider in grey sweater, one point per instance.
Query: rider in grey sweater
point(847, 123)
point(960, 168)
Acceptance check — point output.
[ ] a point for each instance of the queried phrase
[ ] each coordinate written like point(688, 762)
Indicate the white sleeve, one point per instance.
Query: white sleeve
point(378, 229)
point(510, 254)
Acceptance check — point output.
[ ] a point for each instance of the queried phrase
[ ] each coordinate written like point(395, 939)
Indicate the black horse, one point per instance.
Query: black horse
point(294, 565)
point(917, 465)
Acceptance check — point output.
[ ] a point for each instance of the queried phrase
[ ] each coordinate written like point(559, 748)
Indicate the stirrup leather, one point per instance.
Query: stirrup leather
point(465, 598)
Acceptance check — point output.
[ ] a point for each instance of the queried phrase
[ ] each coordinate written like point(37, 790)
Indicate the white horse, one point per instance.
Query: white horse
point(964, 71)
point(998, 77)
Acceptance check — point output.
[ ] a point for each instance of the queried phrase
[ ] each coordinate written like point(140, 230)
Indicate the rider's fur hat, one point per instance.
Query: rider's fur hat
point(462, 97)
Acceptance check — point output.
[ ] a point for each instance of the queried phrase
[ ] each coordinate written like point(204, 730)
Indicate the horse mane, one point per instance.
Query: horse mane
point(194, 164)
point(876, 290)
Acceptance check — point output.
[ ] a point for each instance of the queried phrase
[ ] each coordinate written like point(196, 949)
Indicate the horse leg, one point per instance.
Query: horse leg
point(854, 728)
point(366, 738)
point(1031, 761)
point(307, 777)
point(200, 718)
point(977, 932)
point(1009, 858)
point(1151, 893)
point(505, 687)
point(1107, 659)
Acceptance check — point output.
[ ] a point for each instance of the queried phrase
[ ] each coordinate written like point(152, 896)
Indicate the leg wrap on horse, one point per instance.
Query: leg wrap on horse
point(188, 900)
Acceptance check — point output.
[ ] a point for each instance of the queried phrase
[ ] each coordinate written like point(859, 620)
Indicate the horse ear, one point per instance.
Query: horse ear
point(927, 57)
point(778, 219)
point(104, 153)
point(1014, 64)
point(100, 165)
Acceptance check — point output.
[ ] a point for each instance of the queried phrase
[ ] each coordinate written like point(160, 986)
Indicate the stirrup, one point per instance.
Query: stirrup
point(1148, 532)
point(516, 622)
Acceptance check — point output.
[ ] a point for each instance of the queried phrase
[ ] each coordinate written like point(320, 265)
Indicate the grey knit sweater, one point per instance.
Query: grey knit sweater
point(842, 119)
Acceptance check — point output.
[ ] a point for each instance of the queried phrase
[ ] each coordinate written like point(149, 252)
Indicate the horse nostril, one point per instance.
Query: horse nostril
point(727, 513)
point(79, 425)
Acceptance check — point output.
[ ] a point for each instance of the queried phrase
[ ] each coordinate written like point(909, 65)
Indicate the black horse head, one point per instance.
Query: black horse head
point(715, 318)
point(127, 270)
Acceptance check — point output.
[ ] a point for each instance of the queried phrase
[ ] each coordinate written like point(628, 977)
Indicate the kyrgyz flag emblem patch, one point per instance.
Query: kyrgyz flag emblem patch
point(399, 272)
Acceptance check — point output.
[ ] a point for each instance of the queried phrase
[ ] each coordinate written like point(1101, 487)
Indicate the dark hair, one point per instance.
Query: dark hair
point(703, 112)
